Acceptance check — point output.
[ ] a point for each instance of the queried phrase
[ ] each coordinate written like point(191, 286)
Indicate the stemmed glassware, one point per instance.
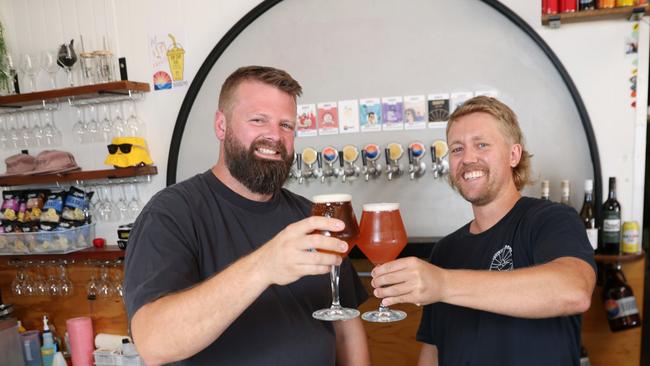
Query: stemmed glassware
point(337, 206)
point(51, 133)
point(134, 126)
point(134, 205)
point(119, 124)
point(37, 129)
point(49, 65)
point(381, 238)
point(66, 58)
point(8, 70)
point(79, 128)
point(29, 67)
point(25, 132)
point(105, 123)
point(92, 127)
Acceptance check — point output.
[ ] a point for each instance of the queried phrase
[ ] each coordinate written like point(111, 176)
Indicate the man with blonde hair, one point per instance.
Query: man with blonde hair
point(508, 287)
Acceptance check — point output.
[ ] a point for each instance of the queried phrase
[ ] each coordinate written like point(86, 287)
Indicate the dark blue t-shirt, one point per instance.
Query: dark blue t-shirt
point(193, 230)
point(532, 233)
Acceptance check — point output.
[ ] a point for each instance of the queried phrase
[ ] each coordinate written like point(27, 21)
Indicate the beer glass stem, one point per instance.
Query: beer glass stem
point(334, 279)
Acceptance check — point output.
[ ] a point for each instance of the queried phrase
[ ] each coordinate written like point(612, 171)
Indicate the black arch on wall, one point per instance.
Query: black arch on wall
point(260, 9)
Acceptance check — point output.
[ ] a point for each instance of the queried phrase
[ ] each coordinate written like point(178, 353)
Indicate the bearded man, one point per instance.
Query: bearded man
point(508, 287)
point(220, 268)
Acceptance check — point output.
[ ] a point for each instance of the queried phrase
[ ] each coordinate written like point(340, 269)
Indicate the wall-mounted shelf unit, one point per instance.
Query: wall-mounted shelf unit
point(626, 12)
point(88, 175)
point(75, 93)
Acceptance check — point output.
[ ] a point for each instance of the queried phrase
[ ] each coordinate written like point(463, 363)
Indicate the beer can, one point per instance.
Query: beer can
point(550, 6)
point(624, 3)
point(568, 6)
point(605, 4)
point(630, 237)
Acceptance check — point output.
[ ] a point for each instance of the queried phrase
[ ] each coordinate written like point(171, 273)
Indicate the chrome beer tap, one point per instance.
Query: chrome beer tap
point(318, 172)
point(349, 156)
point(340, 171)
point(298, 173)
point(370, 160)
point(417, 167)
point(439, 165)
point(393, 152)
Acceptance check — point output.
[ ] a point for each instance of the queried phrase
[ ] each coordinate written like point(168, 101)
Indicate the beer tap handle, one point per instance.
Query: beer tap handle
point(433, 154)
point(299, 161)
point(387, 153)
point(319, 160)
point(341, 161)
point(364, 157)
point(410, 153)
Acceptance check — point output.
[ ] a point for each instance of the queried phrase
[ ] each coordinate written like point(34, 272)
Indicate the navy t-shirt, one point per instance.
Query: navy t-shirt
point(196, 228)
point(532, 233)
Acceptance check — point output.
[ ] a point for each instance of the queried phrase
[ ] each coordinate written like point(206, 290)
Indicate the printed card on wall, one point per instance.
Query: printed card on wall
point(328, 119)
point(488, 93)
point(459, 98)
point(306, 121)
point(167, 59)
point(370, 114)
point(438, 109)
point(415, 112)
point(348, 116)
point(392, 109)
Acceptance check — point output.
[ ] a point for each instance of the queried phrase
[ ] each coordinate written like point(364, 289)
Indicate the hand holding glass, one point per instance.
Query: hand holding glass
point(382, 237)
point(338, 206)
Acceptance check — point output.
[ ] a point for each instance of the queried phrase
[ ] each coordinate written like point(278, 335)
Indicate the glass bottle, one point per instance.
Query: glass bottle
point(588, 214)
point(619, 300)
point(611, 234)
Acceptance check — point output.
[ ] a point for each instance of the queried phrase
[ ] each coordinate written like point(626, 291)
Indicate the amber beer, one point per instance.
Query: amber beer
point(338, 206)
point(382, 236)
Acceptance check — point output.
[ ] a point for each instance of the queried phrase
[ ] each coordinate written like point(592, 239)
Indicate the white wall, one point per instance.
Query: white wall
point(592, 52)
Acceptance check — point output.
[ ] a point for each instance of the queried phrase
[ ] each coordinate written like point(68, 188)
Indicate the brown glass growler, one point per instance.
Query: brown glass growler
point(619, 300)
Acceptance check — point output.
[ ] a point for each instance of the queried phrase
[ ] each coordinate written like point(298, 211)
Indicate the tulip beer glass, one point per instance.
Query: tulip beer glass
point(381, 238)
point(338, 206)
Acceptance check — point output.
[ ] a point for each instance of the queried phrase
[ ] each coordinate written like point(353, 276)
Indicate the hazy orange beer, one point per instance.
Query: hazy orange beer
point(338, 206)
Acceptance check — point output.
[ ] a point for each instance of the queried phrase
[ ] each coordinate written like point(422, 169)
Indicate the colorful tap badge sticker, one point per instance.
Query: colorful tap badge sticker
point(370, 114)
point(328, 119)
point(306, 119)
point(330, 155)
point(415, 112)
point(438, 110)
point(459, 98)
point(167, 61)
point(392, 109)
point(372, 152)
point(417, 150)
point(348, 116)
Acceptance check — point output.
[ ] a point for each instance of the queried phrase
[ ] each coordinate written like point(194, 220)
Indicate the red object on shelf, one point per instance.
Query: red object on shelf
point(550, 6)
point(99, 242)
point(568, 6)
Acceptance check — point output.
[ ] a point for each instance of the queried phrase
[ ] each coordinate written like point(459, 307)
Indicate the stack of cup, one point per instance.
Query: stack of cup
point(81, 340)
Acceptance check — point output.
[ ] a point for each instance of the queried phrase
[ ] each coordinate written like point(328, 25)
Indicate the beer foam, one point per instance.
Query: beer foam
point(336, 197)
point(374, 207)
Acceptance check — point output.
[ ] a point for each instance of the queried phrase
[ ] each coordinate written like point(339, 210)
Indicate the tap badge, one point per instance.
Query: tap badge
point(396, 151)
point(372, 151)
point(350, 153)
point(417, 149)
point(330, 154)
point(309, 156)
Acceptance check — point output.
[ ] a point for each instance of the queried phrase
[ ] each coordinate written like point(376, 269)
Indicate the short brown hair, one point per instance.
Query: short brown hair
point(268, 75)
point(509, 126)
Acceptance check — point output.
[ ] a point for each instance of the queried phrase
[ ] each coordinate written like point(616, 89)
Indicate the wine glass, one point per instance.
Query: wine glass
point(19, 283)
point(4, 133)
point(79, 128)
point(104, 286)
point(119, 124)
point(64, 282)
point(134, 126)
point(49, 65)
point(51, 133)
point(66, 58)
point(134, 206)
point(337, 206)
point(92, 126)
point(105, 123)
point(8, 70)
point(30, 69)
point(381, 238)
point(37, 128)
point(92, 288)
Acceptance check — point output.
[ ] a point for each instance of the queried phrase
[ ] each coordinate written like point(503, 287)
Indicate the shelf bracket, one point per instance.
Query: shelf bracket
point(554, 21)
point(637, 13)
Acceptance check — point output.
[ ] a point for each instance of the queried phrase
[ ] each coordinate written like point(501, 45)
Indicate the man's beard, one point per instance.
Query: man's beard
point(484, 197)
point(259, 175)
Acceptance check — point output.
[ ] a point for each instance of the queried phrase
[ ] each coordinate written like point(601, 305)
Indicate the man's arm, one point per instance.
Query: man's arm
point(351, 343)
point(560, 287)
point(428, 355)
point(180, 325)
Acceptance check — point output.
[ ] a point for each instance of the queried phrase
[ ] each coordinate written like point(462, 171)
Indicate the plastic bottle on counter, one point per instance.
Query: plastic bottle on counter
point(49, 348)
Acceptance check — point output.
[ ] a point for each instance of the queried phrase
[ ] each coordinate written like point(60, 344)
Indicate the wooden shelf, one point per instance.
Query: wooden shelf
point(596, 14)
point(621, 258)
point(72, 93)
point(106, 253)
point(81, 175)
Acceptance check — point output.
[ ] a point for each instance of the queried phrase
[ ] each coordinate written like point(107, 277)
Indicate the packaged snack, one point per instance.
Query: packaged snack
point(9, 211)
point(51, 215)
point(74, 208)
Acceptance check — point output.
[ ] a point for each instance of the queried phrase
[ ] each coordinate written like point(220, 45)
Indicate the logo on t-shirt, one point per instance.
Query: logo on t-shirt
point(502, 260)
